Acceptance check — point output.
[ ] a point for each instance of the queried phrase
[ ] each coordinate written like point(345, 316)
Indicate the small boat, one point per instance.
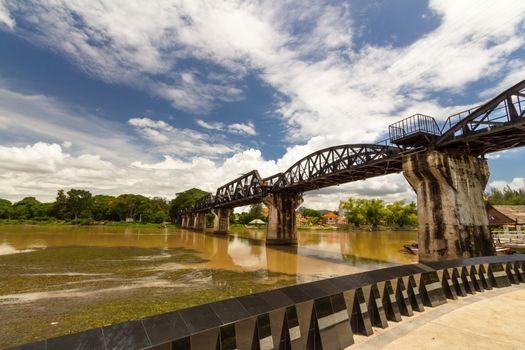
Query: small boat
point(500, 250)
point(412, 248)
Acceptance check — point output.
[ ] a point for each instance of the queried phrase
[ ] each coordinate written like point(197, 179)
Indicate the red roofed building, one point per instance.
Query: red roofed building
point(330, 218)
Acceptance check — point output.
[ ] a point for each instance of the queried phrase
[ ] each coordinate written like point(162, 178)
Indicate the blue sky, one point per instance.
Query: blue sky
point(157, 97)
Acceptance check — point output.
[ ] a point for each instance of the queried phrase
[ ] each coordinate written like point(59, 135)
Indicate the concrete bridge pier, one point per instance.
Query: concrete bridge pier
point(199, 222)
point(451, 212)
point(190, 221)
point(281, 217)
point(184, 221)
point(221, 220)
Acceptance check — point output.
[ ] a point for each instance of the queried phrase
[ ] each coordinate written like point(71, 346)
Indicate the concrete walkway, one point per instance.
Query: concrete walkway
point(490, 320)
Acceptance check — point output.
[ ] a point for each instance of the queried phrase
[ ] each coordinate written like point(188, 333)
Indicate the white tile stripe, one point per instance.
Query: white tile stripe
point(295, 333)
point(266, 343)
point(499, 273)
point(340, 316)
point(433, 286)
point(363, 308)
point(325, 322)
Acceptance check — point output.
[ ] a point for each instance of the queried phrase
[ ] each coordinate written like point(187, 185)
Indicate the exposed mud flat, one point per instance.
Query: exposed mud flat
point(58, 280)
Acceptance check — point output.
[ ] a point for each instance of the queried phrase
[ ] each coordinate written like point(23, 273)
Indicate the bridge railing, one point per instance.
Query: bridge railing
point(417, 123)
point(324, 314)
point(501, 110)
point(495, 117)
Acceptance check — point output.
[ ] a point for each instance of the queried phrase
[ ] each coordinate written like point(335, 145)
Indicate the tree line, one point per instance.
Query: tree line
point(80, 206)
point(507, 196)
point(374, 212)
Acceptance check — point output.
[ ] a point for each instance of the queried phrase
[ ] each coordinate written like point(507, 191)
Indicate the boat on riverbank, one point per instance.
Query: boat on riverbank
point(412, 248)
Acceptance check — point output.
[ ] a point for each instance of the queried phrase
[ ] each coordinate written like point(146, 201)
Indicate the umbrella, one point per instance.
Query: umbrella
point(257, 222)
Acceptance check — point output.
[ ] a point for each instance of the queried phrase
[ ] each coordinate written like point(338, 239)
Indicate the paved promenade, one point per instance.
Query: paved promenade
point(488, 320)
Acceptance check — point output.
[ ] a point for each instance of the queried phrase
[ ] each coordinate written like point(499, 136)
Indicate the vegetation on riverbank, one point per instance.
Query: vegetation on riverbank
point(507, 196)
point(80, 207)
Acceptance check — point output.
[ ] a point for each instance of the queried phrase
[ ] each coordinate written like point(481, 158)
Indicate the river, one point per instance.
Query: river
point(56, 280)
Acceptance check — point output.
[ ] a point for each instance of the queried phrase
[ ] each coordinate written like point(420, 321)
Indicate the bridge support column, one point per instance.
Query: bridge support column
point(281, 217)
point(184, 221)
point(200, 222)
point(451, 212)
point(221, 221)
point(191, 220)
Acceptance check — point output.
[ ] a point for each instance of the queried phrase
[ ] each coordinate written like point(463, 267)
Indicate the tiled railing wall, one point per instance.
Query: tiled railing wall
point(317, 315)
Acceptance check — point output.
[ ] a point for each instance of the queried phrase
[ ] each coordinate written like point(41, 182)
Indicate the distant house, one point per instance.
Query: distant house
point(510, 217)
point(330, 218)
point(300, 219)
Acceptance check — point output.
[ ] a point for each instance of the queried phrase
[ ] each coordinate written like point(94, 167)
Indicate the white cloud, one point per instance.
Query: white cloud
point(240, 128)
point(40, 157)
point(303, 50)
point(235, 128)
point(36, 118)
point(390, 188)
point(149, 123)
point(212, 126)
point(5, 17)
point(331, 92)
point(181, 142)
point(515, 184)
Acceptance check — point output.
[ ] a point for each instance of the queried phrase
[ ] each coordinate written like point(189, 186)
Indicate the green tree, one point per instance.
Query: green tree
point(101, 208)
point(156, 210)
point(129, 206)
point(311, 213)
point(256, 212)
point(373, 211)
point(183, 200)
point(6, 209)
point(507, 196)
point(244, 218)
point(28, 208)
point(400, 214)
point(79, 203)
point(356, 213)
point(59, 207)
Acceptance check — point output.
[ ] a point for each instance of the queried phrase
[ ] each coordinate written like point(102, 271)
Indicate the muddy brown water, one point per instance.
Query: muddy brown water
point(63, 279)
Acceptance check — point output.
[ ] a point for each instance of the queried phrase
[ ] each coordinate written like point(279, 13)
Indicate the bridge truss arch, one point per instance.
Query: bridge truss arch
point(339, 164)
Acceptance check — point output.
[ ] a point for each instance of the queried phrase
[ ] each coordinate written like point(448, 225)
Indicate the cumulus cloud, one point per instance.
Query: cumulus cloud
point(304, 51)
point(515, 184)
point(40, 157)
point(329, 92)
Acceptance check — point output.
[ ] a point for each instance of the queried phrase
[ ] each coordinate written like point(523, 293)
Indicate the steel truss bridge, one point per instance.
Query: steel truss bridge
point(496, 125)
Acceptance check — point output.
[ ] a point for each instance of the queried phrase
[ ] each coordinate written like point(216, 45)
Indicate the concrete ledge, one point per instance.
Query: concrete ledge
point(318, 315)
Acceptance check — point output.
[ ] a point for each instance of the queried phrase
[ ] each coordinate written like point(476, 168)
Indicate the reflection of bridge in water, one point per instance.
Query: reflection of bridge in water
point(445, 166)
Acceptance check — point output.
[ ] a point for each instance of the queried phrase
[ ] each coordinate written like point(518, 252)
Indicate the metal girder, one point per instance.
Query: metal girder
point(496, 125)
point(339, 164)
point(504, 115)
point(243, 189)
point(204, 203)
